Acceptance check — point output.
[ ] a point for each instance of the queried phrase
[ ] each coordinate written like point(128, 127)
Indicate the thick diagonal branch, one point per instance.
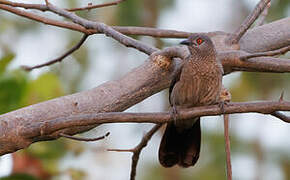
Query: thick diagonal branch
point(236, 36)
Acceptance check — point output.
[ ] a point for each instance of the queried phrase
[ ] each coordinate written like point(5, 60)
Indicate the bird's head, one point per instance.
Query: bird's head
point(199, 44)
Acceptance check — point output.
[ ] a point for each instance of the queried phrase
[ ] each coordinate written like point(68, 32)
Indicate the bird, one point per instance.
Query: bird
point(197, 83)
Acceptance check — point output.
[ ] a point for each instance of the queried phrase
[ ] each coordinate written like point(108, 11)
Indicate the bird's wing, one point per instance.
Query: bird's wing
point(175, 79)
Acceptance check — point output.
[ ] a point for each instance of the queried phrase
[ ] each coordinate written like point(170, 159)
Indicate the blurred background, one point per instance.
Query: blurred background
point(259, 143)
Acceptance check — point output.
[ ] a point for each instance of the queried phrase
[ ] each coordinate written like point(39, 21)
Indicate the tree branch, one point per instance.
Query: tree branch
point(137, 150)
point(268, 37)
point(232, 61)
point(260, 21)
point(268, 53)
point(20, 128)
point(35, 17)
point(103, 28)
point(236, 36)
point(17, 133)
point(227, 147)
point(37, 122)
point(225, 97)
point(59, 59)
point(99, 27)
point(259, 39)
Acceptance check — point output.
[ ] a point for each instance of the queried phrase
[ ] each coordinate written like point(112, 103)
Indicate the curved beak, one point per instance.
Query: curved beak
point(185, 42)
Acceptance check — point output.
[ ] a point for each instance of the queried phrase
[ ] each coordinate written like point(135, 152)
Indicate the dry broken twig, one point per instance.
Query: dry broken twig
point(137, 150)
point(59, 59)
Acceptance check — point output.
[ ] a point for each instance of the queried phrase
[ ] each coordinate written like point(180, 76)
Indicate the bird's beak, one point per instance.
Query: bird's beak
point(185, 42)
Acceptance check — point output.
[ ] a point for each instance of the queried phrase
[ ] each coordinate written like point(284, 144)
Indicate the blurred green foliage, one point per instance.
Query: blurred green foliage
point(130, 13)
point(12, 85)
point(19, 177)
point(278, 9)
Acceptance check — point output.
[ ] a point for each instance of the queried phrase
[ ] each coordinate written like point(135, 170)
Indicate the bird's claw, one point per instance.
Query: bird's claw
point(221, 105)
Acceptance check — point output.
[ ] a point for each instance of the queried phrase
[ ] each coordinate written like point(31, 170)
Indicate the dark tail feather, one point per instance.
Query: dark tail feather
point(180, 147)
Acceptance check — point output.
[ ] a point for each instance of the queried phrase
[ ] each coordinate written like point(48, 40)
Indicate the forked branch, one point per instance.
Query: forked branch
point(236, 36)
point(137, 150)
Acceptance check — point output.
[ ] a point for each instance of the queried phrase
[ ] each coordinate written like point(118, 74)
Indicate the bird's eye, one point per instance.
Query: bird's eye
point(199, 41)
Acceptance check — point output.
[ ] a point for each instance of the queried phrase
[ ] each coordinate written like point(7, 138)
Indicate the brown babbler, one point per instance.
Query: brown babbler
point(198, 83)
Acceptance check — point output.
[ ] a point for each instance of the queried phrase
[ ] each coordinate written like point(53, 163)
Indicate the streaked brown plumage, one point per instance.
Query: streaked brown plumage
point(198, 83)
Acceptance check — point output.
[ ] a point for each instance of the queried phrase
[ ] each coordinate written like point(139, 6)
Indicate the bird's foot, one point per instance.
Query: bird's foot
point(224, 99)
point(222, 105)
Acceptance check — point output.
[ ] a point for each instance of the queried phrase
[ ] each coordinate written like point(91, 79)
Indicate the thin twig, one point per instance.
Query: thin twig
point(236, 36)
point(59, 59)
point(268, 53)
point(227, 147)
point(40, 7)
point(143, 31)
point(281, 116)
point(84, 139)
point(129, 30)
point(96, 6)
point(137, 150)
point(99, 27)
point(261, 20)
point(35, 17)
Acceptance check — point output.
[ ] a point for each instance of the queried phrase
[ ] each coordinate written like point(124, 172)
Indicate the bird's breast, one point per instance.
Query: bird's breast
point(198, 87)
